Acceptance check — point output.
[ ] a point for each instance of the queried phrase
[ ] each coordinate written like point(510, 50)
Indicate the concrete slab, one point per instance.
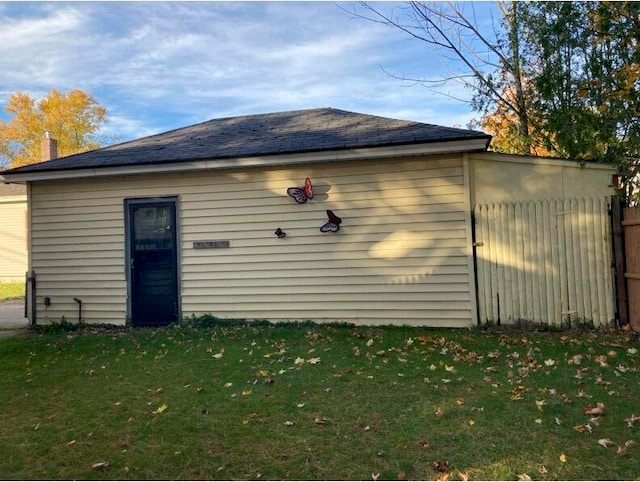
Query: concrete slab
point(12, 315)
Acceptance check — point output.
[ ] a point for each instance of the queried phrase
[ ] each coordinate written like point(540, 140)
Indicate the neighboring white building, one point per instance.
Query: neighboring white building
point(13, 232)
point(185, 222)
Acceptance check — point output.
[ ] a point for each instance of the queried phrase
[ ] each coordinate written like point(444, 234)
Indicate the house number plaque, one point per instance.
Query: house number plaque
point(211, 244)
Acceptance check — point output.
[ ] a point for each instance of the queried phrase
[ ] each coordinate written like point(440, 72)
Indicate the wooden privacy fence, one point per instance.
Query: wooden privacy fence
point(545, 262)
point(631, 226)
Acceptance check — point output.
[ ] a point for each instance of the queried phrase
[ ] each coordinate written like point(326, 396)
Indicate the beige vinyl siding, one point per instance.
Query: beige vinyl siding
point(497, 178)
point(13, 238)
point(401, 255)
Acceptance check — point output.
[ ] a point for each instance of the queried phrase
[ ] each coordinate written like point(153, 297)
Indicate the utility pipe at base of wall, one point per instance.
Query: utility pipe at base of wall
point(79, 301)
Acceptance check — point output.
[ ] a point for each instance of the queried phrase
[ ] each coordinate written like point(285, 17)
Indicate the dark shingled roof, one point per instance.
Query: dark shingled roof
point(292, 132)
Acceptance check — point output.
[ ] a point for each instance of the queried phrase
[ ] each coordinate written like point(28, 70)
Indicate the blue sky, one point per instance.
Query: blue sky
point(160, 66)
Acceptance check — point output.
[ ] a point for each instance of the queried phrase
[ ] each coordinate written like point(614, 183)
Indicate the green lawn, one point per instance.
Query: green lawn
point(312, 402)
point(11, 290)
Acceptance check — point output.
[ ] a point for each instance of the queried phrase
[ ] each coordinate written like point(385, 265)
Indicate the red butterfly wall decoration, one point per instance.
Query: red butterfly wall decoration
point(301, 194)
point(333, 225)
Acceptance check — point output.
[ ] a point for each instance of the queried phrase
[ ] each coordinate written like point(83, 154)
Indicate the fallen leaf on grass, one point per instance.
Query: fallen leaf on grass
point(71, 443)
point(219, 354)
point(100, 465)
point(562, 458)
point(424, 444)
point(605, 442)
point(160, 409)
point(583, 428)
point(289, 423)
point(524, 477)
point(321, 421)
point(441, 465)
point(313, 361)
point(632, 420)
point(594, 411)
point(375, 476)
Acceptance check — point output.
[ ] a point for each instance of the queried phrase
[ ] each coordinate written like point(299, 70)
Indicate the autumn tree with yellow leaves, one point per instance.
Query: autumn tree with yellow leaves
point(73, 119)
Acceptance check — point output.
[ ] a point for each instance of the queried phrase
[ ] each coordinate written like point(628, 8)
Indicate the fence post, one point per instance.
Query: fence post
point(617, 240)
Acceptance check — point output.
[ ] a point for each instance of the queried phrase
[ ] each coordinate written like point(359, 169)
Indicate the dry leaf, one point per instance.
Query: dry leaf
point(632, 420)
point(100, 465)
point(298, 361)
point(562, 458)
point(425, 444)
point(464, 476)
point(160, 409)
point(595, 411)
point(370, 342)
point(375, 476)
point(583, 428)
point(289, 423)
point(605, 442)
point(401, 475)
point(524, 477)
point(219, 355)
point(441, 465)
point(439, 412)
point(313, 361)
point(321, 421)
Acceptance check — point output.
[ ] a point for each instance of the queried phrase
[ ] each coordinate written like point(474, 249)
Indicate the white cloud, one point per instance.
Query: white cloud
point(159, 66)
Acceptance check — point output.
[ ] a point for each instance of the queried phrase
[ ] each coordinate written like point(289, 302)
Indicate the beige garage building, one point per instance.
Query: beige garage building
point(185, 222)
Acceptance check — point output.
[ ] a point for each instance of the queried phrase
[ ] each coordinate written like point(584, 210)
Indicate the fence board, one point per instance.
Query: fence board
point(546, 262)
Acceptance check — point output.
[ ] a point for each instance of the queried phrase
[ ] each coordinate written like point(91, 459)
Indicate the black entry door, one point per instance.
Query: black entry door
point(153, 263)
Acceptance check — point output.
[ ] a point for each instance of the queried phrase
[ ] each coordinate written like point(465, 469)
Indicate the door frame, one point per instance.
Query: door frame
point(128, 202)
